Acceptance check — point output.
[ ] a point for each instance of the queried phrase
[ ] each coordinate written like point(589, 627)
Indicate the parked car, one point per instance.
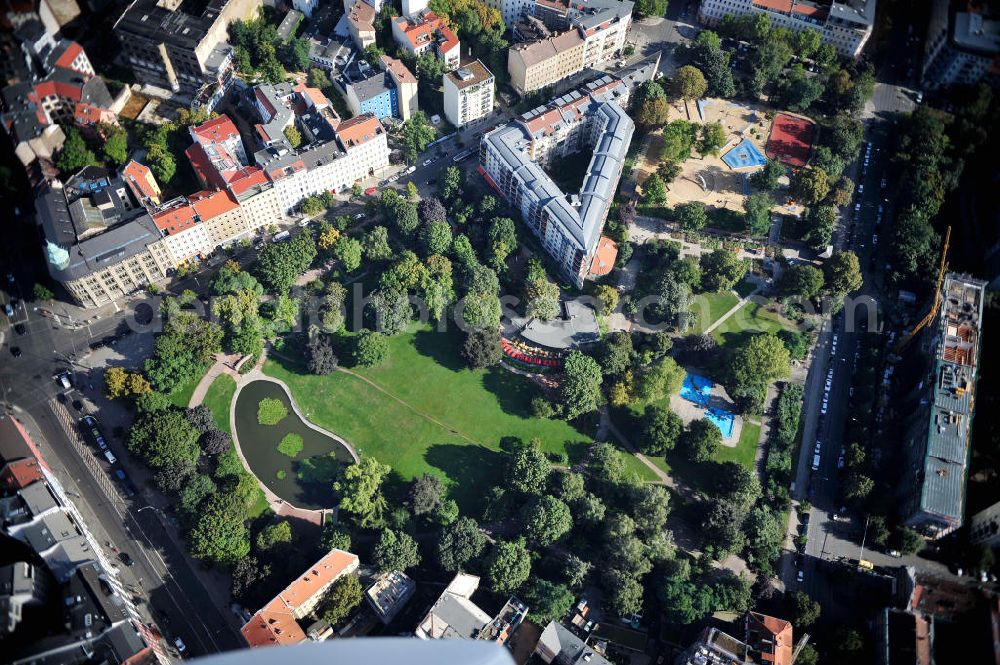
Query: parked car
point(427, 162)
point(64, 380)
point(9, 310)
point(360, 215)
point(126, 559)
point(800, 577)
point(110, 456)
point(119, 474)
point(20, 329)
point(179, 643)
point(15, 351)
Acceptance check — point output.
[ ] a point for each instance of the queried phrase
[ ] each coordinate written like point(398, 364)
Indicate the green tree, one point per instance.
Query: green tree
point(318, 78)
point(375, 246)
point(804, 281)
point(843, 273)
point(624, 590)
point(416, 133)
point(343, 597)
point(678, 140)
point(711, 138)
point(502, 239)
point(821, 222)
point(721, 270)
point(757, 213)
point(811, 184)
point(701, 440)
point(548, 601)
point(360, 488)
point(165, 439)
point(395, 551)
point(541, 294)
point(608, 297)
point(371, 349)
point(460, 543)
point(436, 238)
point(274, 535)
point(764, 536)
point(805, 611)
point(194, 492)
point(75, 153)
point(689, 83)
point(653, 112)
point(280, 263)
point(347, 250)
point(426, 494)
point(115, 144)
point(691, 216)
point(220, 535)
point(482, 348)
point(508, 566)
point(907, 540)
point(41, 293)
point(546, 520)
point(527, 469)
point(581, 385)
point(660, 429)
point(451, 182)
point(654, 191)
point(767, 178)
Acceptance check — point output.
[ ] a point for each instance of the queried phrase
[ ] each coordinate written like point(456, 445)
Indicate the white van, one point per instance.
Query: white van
point(64, 381)
point(815, 464)
point(110, 456)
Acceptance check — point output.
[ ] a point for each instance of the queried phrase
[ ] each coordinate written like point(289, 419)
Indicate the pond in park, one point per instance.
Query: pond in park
point(303, 480)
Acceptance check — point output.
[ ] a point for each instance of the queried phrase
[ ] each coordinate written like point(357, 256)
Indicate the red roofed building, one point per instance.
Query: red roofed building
point(19, 474)
point(70, 55)
point(142, 183)
point(277, 622)
point(217, 153)
point(183, 233)
point(419, 33)
point(220, 214)
point(604, 257)
point(88, 115)
point(769, 639)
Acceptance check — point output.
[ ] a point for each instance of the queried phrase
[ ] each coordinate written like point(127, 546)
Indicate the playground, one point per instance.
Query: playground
point(718, 181)
point(700, 398)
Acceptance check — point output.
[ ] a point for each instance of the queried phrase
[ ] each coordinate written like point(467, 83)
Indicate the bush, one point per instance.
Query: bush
point(271, 411)
point(372, 349)
point(290, 445)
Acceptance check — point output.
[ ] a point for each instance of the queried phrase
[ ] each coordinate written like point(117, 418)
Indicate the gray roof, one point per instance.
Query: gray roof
point(38, 498)
point(288, 24)
point(567, 647)
point(371, 87)
point(147, 19)
point(282, 114)
point(977, 33)
point(12, 443)
point(858, 12)
point(591, 13)
point(582, 219)
point(460, 620)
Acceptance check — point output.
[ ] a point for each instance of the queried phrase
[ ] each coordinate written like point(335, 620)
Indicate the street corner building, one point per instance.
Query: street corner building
point(513, 158)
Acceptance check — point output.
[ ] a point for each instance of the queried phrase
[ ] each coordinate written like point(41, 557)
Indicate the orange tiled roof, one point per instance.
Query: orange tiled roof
point(176, 219)
point(246, 178)
point(319, 100)
point(362, 15)
point(216, 130)
point(359, 130)
point(782, 644)
point(209, 204)
point(430, 27)
point(604, 257)
point(20, 473)
point(202, 166)
point(275, 624)
point(88, 114)
point(774, 5)
point(69, 55)
point(59, 89)
point(398, 68)
point(140, 178)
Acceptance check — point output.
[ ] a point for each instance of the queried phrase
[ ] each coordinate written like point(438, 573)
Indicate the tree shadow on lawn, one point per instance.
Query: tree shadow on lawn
point(472, 470)
point(513, 392)
point(442, 347)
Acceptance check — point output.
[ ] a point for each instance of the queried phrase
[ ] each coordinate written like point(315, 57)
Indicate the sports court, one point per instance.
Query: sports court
point(744, 155)
point(791, 139)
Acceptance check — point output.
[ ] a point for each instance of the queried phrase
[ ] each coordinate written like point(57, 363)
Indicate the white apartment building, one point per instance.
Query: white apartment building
point(468, 93)
point(183, 233)
point(535, 65)
point(511, 10)
point(589, 121)
point(406, 86)
point(844, 24)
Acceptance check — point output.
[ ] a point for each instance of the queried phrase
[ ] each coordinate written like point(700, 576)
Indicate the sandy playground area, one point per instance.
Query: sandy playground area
point(709, 179)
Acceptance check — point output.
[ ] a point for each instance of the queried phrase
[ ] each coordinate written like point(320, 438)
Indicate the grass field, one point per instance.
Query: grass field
point(752, 317)
point(218, 397)
point(182, 394)
point(708, 307)
point(439, 417)
point(746, 448)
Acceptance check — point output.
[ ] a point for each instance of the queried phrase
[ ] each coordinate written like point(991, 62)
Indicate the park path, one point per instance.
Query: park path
point(224, 364)
point(735, 308)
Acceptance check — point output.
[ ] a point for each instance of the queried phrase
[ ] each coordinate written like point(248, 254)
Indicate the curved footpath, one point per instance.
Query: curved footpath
point(227, 365)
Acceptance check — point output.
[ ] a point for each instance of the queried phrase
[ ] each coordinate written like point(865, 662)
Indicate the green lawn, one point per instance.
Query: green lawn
point(746, 448)
point(450, 423)
point(752, 317)
point(708, 307)
point(181, 395)
point(218, 398)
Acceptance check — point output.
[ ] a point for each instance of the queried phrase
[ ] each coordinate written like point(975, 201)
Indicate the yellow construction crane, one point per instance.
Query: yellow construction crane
point(942, 268)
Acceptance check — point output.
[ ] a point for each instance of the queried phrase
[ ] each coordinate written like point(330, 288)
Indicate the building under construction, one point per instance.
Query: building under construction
point(937, 436)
